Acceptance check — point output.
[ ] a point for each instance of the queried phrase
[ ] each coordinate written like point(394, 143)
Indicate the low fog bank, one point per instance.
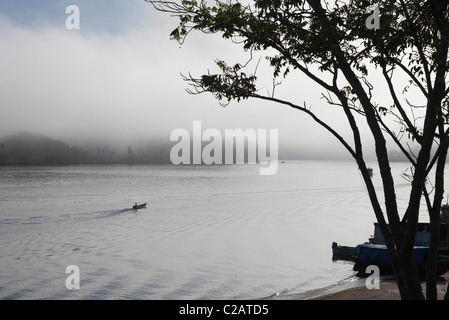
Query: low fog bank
point(26, 148)
point(34, 149)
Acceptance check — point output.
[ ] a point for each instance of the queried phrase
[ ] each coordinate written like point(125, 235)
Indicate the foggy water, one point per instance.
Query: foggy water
point(208, 232)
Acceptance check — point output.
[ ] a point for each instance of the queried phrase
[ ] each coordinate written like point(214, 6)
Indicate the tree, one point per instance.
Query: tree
point(130, 157)
point(3, 157)
point(347, 48)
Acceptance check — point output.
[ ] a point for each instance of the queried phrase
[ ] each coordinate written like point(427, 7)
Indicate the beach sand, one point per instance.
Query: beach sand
point(388, 290)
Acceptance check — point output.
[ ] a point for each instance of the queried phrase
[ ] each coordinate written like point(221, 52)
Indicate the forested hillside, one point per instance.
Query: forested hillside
point(33, 149)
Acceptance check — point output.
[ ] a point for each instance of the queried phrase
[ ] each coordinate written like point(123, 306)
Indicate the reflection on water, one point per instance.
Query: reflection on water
point(208, 232)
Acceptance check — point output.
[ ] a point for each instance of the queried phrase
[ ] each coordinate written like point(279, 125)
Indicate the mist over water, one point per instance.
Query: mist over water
point(209, 232)
point(120, 85)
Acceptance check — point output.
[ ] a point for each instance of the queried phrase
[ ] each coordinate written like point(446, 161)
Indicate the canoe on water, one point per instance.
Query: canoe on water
point(139, 206)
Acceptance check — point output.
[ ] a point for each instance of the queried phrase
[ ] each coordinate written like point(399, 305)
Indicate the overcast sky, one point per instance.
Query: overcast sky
point(118, 77)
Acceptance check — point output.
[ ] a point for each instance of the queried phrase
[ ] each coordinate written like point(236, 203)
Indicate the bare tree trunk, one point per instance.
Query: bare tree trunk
point(411, 276)
point(438, 94)
point(431, 291)
point(434, 214)
point(401, 239)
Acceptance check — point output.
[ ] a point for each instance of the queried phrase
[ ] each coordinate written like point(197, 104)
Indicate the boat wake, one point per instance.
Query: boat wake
point(85, 216)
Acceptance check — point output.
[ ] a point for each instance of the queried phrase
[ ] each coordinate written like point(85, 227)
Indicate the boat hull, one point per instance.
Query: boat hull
point(377, 254)
point(343, 252)
point(140, 206)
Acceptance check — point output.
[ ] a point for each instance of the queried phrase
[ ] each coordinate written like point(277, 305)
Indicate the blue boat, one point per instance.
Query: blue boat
point(375, 252)
point(370, 253)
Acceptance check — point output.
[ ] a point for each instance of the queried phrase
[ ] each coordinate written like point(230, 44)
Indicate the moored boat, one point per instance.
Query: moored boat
point(343, 252)
point(375, 252)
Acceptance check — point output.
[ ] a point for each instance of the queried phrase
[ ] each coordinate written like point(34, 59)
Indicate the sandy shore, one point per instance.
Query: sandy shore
point(388, 291)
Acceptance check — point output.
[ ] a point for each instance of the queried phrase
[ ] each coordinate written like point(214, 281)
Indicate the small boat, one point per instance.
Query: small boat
point(139, 206)
point(375, 252)
point(343, 252)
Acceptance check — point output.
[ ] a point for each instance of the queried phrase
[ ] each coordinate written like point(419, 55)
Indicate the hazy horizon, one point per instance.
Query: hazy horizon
point(155, 144)
point(118, 79)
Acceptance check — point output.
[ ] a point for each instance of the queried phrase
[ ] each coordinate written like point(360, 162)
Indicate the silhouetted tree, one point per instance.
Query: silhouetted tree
point(3, 156)
point(339, 46)
point(130, 157)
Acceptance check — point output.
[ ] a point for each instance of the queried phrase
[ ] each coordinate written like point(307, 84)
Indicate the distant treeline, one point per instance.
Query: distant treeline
point(33, 149)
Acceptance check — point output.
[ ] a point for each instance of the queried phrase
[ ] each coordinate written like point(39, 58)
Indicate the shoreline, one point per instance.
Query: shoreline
point(388, 290)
